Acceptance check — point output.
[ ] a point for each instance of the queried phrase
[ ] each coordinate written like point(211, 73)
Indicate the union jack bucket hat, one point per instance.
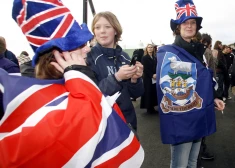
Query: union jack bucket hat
point(185, 9)
point(48, 24)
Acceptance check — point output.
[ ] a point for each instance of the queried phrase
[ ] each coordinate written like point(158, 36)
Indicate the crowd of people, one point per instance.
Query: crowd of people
point(187, 80)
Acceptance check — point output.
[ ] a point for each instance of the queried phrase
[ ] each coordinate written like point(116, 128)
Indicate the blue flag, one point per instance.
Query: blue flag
point(185, 96)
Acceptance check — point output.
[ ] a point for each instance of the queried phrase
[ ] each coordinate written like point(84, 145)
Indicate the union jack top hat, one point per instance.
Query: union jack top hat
point(185, 9)
point(48, 24)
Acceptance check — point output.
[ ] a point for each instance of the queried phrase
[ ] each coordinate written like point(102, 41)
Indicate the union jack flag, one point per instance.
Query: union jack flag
point(188, 10)
point(63, 123)
point(43, 20)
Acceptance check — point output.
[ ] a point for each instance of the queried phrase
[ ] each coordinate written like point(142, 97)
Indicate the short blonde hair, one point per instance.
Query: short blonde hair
point(112, 19)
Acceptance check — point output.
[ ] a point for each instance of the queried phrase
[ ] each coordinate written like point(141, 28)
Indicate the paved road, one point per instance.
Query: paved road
point(222, 143)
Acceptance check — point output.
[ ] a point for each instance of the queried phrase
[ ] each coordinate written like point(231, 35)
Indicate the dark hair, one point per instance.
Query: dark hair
point(216, 45)
point(206, 39)
point(44, 70)
point(2, 45)
point(197, 38)
point(224, 46)
point(176, 31)
point(24, 53)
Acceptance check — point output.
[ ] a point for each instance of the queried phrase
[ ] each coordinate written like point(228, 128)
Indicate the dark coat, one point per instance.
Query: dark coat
point(26, 69)
point(139, 53)
point(149, 99)
point(10, 67)
point(233, 73)
point(105, 62)
point(9, 55)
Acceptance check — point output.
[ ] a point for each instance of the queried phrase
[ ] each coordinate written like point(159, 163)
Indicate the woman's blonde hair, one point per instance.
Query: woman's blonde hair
point(112, 19)
point(146, 51)
point(44, 70)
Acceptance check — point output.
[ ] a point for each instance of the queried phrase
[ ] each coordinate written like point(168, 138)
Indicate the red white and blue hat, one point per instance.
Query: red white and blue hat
point(185, 9)
point(48, 24)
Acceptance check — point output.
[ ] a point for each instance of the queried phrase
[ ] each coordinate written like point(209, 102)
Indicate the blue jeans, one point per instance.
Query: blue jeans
point(185, 155)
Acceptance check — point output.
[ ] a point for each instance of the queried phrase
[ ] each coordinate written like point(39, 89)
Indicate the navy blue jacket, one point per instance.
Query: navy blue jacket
point(105, 62)
point(9, 55)
point(10, 67)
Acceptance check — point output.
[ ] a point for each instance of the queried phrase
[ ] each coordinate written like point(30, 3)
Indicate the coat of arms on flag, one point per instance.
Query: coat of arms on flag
point(178, 84)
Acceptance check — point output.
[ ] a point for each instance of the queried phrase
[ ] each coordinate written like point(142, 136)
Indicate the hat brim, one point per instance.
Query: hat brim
point(175, 23)
point(67, 43)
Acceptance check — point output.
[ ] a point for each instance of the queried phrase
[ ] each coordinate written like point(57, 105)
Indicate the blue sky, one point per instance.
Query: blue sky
point(141, 20)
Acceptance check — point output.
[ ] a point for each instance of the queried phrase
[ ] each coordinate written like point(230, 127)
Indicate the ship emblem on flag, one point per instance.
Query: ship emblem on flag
point(178, 84)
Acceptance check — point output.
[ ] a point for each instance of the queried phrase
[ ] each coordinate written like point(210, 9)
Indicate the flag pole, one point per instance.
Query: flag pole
point(85, 11)
point(92, 7)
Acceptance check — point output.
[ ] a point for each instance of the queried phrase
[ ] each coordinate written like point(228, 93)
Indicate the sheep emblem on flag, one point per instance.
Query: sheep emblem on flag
point(178, 84)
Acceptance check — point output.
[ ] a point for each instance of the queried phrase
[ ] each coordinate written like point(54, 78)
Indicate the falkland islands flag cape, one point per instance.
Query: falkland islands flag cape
point(63, 123)
point(185, 96)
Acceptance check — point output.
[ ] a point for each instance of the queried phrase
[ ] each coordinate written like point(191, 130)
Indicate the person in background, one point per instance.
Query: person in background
point(185, 94)
point(112, 66)
point(149, 61)
point(217, 47)
point(8, 66)
point(207, 41)
point(220, 67)
point(229, 58)
point(8, 54)
point(233, 78)
point(24, 57)
point(228, 63)
point(138, 53)
point(26, 68)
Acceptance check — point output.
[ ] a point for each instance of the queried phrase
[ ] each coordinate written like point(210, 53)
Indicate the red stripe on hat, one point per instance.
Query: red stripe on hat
point(43, 17)
point(21, 16)
point(64, 27)
point(122, 156)
point(37, 41)
point(56, 2)
point(59, 135)
point(30, 105)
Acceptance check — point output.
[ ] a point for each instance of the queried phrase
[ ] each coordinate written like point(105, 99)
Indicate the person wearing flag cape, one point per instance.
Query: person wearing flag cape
point(185, 89)
point(60, 118)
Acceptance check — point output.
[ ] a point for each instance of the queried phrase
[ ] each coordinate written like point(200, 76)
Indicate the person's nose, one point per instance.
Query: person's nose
point(189, 24)
point(102, 29)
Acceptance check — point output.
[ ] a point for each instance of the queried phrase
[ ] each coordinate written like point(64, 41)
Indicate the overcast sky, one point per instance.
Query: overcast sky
point(144, 20)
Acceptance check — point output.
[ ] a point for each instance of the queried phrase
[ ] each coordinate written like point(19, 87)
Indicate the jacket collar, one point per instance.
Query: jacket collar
point(195, 49)
point(110, 51)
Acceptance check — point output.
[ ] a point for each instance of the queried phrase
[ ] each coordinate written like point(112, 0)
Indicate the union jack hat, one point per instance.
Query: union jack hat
point(185, 9)
point(48, 24)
